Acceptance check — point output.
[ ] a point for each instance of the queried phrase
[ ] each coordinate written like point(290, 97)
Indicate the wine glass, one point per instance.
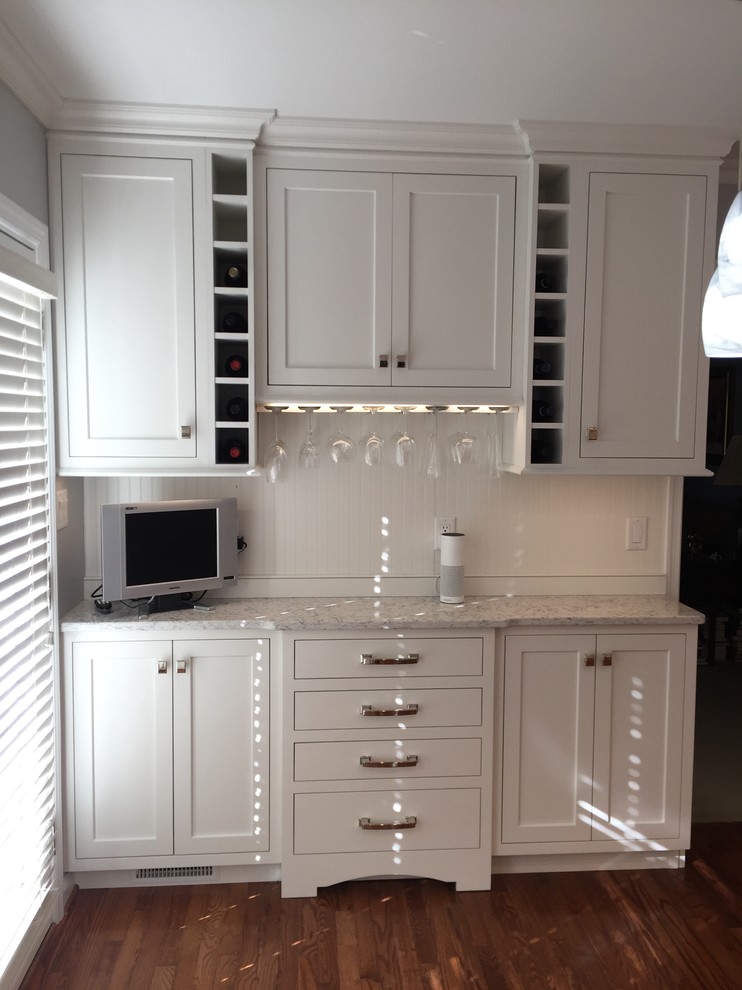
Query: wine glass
point(492, 461)
point(308, 452)
point(342, 448)
point(277, 458)
point(433, 452)
point(464, 444)
point(373, 444)
point(404, 444)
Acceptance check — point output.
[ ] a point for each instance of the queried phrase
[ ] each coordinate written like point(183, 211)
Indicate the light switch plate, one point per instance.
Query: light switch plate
point(636, 533)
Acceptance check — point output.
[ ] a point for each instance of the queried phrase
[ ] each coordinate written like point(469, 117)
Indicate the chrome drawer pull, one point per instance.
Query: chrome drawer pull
point(368, 826)
point(370, 659)
point(405, 710)
point(406, 761)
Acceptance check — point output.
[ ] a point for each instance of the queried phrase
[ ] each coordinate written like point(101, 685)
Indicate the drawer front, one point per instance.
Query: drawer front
point(444, 819)
point(388, 657)
point(343, 709)
point(430, 758)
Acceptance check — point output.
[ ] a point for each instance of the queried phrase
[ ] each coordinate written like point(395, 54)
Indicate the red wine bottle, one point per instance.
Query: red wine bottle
point(236, 366)
point(233, 451)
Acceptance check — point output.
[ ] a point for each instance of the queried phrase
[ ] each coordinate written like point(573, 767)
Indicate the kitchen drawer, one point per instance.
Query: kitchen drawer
point(343, 657)
point(342, 709)
point(329, 822)
point(342, 760)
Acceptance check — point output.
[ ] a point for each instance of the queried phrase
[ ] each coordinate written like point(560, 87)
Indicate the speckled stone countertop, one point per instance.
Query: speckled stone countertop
point(317, 614)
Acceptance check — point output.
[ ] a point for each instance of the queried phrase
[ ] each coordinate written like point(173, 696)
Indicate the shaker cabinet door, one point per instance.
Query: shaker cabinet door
point(454, 239)
point(129, 346)
point(329, 278)
point(645, 282)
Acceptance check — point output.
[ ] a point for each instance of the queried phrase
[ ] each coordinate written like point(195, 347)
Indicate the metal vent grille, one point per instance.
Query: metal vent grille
point(170, 874)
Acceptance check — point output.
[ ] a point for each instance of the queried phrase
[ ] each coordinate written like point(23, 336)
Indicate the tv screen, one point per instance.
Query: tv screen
point(174, 549)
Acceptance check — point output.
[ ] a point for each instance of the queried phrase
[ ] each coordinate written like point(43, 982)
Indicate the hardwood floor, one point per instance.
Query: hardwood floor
point(643, 930)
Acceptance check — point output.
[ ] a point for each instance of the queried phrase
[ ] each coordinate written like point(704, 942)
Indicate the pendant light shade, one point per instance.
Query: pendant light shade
point(722, 307)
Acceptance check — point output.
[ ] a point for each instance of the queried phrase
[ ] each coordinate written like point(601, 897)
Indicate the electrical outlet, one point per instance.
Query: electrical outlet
point(443, 524)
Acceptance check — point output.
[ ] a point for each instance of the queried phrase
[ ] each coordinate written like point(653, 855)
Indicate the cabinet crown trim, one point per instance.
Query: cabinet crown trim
point(567, 137)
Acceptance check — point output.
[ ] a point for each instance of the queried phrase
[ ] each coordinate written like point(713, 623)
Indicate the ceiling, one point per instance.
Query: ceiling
point(470, 61)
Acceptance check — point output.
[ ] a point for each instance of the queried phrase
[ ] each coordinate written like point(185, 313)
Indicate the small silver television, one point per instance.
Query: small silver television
point(167, 551)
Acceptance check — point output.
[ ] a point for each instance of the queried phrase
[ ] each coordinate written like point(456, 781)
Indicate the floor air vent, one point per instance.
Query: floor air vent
point(174, 874)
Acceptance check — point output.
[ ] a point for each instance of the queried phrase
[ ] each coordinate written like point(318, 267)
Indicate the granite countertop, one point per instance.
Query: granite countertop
point(318, 614)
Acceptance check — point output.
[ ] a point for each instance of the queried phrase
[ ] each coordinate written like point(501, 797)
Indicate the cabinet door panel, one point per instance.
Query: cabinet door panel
point(329, 279)
point(129, 306)
point(453, 279)
point(547, 739)
point(221, 695)
point(122, 749)
point(642, 313)
point(638, 737)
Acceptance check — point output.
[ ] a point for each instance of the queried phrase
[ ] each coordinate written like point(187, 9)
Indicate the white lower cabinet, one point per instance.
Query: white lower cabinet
point(387, 765)
point(166, 752)
point(596, 742)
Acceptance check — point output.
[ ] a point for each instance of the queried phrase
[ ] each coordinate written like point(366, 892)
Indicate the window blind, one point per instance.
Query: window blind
point(27, 732)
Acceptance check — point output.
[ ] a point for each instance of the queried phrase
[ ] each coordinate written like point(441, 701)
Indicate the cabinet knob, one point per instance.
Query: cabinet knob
point(607, 659)
point(383, 360)
point(162, 666)
point(185, 433)
point(591, 433)
point(401, 360)
point(589, 659)
point(181, 667)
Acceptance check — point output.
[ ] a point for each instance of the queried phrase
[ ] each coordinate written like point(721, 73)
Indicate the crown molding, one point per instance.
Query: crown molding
point(313, 133)
point(22, 75)
point(550, 136)
point(224, 123)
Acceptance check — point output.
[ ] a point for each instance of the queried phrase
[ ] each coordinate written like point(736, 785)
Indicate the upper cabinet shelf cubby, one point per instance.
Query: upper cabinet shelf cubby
point(548, 336)
point(231, 181)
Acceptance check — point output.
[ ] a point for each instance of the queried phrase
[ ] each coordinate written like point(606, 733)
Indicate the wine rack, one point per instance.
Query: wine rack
point(234, 402)
point(551, 275)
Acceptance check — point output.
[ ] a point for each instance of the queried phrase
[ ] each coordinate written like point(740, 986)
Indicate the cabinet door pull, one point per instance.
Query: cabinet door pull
point(591, 433)
point(181, 667)
point(406, 761)
point(370, 660)
point(607, 659)
point(383, 360)
point(185, 433)
point(589, 659)
point(162, 666)
point(410, 821)
point(401, 360)
point(404, 710)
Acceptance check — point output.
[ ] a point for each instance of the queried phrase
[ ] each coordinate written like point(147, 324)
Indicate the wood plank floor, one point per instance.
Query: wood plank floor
point(642, 930)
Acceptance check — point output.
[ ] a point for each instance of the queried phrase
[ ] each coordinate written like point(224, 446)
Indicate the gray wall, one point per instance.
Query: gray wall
point(23, 179)
point(22, 156)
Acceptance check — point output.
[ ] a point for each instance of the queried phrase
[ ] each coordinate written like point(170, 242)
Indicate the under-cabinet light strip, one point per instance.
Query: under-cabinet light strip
point(293, 407)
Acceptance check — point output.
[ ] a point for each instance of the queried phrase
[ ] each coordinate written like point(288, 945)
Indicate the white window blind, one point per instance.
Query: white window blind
point(27, 732)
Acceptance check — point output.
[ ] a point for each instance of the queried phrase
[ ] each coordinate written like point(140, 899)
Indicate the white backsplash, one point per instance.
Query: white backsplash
point(349, 528)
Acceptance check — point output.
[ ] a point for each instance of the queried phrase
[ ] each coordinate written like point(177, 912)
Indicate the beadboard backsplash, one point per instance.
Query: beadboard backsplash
point(358, 530)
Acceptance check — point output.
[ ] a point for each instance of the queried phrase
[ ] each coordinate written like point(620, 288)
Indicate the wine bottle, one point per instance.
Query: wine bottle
point(236, 366)
point(543, 412)
point(235, 408)
point(235, 275)
point(234, 322)
point(542, 368)
point(232, 451)
point(543, 450)
point(545, 282)
point(545, 326)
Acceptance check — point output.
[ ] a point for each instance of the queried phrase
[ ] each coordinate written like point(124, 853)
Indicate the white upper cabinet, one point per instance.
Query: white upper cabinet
point(645, 275)
point(389, 286)
point(130, 361)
